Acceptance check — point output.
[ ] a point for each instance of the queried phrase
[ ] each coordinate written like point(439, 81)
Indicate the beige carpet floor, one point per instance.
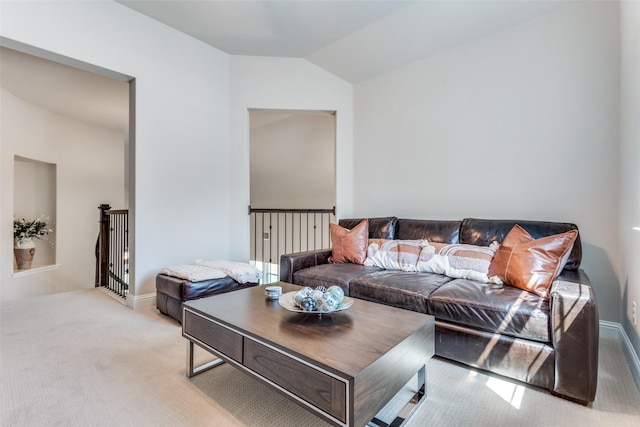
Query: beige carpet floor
point(83, 359)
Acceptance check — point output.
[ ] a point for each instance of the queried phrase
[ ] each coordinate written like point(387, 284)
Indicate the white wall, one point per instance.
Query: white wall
point(292, 159)
point(89, 165)
point(521, 124)
point(180, 207)
point(288, 84)
point(630, 165)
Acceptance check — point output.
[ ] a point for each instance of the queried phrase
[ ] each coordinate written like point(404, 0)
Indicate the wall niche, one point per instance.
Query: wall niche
point(34, 196)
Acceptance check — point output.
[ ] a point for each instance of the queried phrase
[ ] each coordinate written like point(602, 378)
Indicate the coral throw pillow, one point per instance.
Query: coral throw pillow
point(349, 245)
point(531, 264)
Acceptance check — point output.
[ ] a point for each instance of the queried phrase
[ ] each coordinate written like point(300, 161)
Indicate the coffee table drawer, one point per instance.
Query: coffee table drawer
point(213, 335)
point(306, 382)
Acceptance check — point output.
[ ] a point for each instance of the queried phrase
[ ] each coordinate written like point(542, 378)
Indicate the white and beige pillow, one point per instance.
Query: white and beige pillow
point(458, 261)
point(453, 260)
point(394, 254)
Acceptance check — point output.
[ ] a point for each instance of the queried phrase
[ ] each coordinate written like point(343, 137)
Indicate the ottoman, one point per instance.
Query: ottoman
point(171, 292)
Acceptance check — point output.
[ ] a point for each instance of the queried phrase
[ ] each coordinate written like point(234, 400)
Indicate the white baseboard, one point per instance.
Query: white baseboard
point(138, 302)
point(616, 330)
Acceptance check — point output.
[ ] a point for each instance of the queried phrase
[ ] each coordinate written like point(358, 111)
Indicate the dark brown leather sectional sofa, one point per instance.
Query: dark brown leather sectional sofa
point(550, 343)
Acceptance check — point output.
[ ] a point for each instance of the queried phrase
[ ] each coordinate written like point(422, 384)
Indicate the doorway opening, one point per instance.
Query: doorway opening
point(292, 184)
point(80, 118)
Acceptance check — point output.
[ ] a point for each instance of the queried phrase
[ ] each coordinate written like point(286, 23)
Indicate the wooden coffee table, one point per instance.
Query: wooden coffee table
point(344, 366)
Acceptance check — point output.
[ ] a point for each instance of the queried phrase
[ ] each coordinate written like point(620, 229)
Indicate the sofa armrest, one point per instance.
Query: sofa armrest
point(575, 336)
point(290, 263)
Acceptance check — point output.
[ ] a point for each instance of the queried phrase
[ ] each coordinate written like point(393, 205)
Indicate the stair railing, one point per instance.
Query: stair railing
point(279, 231)
point(112, 251)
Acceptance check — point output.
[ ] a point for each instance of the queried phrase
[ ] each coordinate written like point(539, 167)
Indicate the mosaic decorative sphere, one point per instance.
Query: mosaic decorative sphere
point(308, 304)
point(316, 295)
point(327, 302)
point(298, 297)
point(337, 292)
point(319, 299)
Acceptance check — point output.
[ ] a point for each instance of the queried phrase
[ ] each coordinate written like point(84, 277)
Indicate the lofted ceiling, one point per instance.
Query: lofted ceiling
point(65, 90)
point(353, 39)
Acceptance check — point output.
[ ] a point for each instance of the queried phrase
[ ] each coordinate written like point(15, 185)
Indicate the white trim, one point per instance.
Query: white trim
point(611, 328)
point(35, 270)
point(138, 302)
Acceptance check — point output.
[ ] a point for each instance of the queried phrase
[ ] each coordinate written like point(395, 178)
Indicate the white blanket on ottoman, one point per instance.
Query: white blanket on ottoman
point(241, 272)
point(193, 272)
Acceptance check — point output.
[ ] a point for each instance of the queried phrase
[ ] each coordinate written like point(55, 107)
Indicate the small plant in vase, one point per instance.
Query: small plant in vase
point(24, 231)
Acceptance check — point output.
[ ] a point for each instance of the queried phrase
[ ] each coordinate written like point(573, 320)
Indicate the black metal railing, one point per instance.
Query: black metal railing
point(279, 231)
point(112, 251)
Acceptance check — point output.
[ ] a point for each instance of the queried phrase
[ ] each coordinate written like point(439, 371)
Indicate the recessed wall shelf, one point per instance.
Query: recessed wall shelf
point(35, 270)
point(35, 196)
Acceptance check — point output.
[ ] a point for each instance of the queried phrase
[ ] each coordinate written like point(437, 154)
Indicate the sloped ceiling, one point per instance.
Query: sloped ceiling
point(354, 40)
point(65, 90)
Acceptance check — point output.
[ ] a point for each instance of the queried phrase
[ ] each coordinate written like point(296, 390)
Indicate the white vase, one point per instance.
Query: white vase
point(27, 243)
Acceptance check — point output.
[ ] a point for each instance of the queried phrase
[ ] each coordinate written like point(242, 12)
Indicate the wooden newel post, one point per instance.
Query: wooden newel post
point(103, 245)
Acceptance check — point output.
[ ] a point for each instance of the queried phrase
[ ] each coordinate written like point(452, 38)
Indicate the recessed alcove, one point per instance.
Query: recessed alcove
point(34, 196)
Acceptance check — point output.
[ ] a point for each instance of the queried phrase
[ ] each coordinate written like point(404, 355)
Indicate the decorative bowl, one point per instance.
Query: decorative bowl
point(288, 301)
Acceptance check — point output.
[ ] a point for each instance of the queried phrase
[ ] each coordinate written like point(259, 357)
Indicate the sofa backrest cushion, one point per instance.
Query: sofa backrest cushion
point(379, 228)
point(431, 230)
point(482, 232)
point(471, 231)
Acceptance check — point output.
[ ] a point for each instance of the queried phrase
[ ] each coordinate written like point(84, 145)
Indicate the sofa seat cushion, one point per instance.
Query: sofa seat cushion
point(331, 274)
point(408, 290)
point(502, 310)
